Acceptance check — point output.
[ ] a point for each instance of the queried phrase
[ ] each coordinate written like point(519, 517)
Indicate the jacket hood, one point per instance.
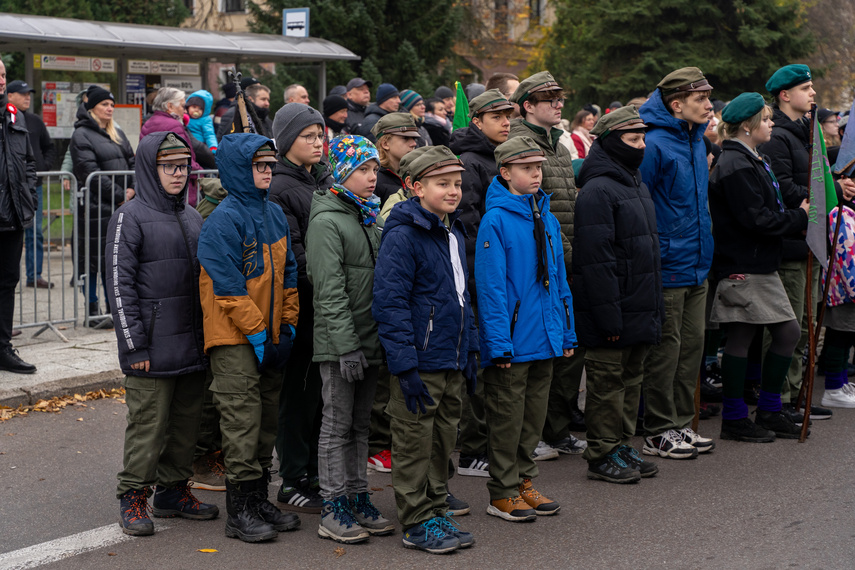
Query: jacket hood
point(84, 119)
point(411, 213)
point(206, 97)
point(148, 188)
point(800, 128)
point(234, 161)
point(375, 109)
point(599, 163)
point(654, 113)
point(498, 196)
point(471, 139)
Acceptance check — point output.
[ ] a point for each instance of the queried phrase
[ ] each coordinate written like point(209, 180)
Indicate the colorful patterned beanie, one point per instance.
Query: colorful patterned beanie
point(347, 153)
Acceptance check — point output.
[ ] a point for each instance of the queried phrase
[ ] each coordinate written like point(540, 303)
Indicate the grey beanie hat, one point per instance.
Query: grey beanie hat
point(290, 121)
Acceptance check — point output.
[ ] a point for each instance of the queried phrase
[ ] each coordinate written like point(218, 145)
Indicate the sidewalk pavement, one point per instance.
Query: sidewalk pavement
point(88, 361)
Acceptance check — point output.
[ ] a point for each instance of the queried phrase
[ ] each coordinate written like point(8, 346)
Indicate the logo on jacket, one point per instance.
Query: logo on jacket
point(249, 256)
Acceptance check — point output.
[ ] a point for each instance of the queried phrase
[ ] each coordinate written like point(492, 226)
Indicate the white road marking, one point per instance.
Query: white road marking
point(66, 547)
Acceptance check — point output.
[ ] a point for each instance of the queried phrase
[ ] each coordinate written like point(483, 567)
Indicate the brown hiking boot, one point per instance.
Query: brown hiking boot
point(535, 500)
point(209, 473)
point(513, 509)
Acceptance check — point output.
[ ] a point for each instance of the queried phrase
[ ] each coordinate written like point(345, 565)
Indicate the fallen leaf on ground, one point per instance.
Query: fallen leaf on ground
point(339, 552)
point(376, 488)
point(111, 554)
point(79, 419)
point(207, 550)
point(57, 404)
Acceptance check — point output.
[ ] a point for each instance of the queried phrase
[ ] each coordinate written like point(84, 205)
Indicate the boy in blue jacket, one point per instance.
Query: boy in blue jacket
point(201, 124)
point(425, 321)
point(526, 320)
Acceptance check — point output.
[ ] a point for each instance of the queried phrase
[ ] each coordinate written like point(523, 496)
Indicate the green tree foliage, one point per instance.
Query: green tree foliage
point(403, 42)
point(602, 50)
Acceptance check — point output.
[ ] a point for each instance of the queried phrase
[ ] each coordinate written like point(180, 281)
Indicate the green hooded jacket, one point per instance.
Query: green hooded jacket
point(340, 266)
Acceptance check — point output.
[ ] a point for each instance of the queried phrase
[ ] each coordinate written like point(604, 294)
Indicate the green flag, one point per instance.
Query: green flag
point(461, 109)
point(823, 197)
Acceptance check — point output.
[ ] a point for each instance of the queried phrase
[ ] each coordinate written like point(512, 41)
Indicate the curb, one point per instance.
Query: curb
point(77, 384)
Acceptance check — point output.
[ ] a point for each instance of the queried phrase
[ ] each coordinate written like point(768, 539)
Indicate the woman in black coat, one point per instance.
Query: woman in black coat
point(98, 145)
point(750, 220)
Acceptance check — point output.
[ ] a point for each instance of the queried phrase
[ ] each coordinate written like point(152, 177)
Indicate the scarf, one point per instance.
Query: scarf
point(367, 210)
point(540, 242)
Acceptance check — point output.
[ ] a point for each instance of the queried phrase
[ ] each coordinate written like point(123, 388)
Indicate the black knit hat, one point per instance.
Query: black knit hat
point(96, 95)
point(333, 104)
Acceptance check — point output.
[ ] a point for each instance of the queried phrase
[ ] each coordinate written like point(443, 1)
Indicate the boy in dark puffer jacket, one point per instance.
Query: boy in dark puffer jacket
point(425, 321)
point(154, 297)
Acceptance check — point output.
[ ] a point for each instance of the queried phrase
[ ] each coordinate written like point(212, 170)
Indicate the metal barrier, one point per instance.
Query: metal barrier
point(53, 305)
point(107, 188)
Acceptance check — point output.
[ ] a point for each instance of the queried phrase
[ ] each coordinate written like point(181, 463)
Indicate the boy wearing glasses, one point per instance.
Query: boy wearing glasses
point(153, 281)
point(297, 174)
point(248, 287)
point(540, 100)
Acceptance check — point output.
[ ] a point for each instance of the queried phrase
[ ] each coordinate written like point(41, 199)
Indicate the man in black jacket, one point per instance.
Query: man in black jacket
point(358, 96)
point(789, 157)
point(388, 101)
point(258, 96)
point(20, 95)
point(17, 207)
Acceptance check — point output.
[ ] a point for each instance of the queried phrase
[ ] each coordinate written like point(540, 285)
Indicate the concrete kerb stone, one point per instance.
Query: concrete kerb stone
point(22, 396)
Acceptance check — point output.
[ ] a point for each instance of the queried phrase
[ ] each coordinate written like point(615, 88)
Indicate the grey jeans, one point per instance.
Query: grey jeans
point(343, 442)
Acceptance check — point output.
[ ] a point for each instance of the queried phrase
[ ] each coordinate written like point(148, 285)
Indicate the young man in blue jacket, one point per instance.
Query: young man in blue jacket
point(525, 311)
point(675, 171)
point(425, 321)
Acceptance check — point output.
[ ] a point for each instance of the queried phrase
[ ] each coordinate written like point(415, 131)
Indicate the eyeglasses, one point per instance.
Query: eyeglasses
point(554, 103)
point(174, 169)
point(311, 139)
point(261, 167)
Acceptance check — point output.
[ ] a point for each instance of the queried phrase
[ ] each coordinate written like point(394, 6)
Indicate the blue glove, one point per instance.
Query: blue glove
point(470, 373)
point(257, 342)
point(415, 392)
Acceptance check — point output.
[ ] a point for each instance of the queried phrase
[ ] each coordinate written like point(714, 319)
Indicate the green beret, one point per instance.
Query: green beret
point(401, 124)
point(434, 161)
point(622, 119)
point(685, 79)
point(541, 81)
point(487, 102)
point(518, 150)
point(787, 77)
point(743, 107)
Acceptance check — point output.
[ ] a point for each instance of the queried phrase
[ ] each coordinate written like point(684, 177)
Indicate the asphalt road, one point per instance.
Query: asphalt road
point(779, 505)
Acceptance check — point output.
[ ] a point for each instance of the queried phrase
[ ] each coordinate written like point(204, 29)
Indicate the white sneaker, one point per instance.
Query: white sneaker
point(543, 452)
point(850, 388)
point(840, 398)
point(702, 444)
point(669, 444)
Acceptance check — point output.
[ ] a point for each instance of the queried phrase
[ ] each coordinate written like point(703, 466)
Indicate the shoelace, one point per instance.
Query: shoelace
point(385, 455)
point(530, 491)
point(434, 527)
point(448, 524)
point(672, 436)
point(188, 498)
point(216, 467)
point(366, 507)
point(617, 459)
point(633, 454)
point(343, 515)
point(138, 506)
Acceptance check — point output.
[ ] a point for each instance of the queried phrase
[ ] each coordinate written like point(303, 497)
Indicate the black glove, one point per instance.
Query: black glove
point(415, 392)
point(269, 359)
point(470, 373)
point(283, 349)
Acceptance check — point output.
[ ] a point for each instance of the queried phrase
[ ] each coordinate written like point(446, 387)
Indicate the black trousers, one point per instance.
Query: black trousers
point(11, 248)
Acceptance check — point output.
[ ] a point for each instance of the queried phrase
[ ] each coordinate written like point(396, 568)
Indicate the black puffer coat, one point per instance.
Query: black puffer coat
point(17, 174)
point(617, 275)
point(789, 156)
point(373, 114)
point(476, 151)
point(151, 250)
point(748, 223)
point(92, 150)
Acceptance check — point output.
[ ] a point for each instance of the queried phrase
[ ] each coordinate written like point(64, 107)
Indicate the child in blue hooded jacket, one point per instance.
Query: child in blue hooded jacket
point(201, 124)
point(525, 312)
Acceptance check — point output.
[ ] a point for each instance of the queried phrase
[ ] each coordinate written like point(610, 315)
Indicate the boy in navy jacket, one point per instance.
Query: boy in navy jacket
point(525, 311)
point(426, 326)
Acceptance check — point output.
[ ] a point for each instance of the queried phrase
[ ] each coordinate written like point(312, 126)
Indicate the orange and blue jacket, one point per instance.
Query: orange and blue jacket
point(248, 282)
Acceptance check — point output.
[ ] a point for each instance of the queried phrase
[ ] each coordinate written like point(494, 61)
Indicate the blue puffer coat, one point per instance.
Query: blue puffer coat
point(519, 318)
point(676, 173)
point(420, 320)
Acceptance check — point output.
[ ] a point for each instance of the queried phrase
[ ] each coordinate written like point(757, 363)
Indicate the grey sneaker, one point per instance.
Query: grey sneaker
point(543, 452)
point(339, 524)
point(569, 445)
point(368, 517)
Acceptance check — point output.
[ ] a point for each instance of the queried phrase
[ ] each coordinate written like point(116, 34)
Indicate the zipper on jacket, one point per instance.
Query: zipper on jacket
point(567, 312)
point(368, 239)
point(151, 326)
point(194, 290)
point(272, 269)
point(460, 336)
point(514, 319)
point(429, 327)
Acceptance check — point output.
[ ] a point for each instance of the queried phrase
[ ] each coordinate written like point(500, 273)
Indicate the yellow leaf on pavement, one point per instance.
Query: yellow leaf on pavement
point(207, 550)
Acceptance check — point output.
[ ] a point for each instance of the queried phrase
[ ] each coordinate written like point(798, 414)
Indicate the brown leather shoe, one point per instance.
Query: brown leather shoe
point(40, 284)
point(513, 509)
point(540, 504)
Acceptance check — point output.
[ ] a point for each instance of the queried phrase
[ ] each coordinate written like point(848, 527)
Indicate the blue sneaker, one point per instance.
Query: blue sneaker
point(133, 507)
point(339, 524)
point(178, 501)
point(368, 517)
point(452, 527)
point(456, 507)
point(430, 537)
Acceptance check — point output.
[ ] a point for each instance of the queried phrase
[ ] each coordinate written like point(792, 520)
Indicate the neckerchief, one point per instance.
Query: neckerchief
point(778, 195)
point(368, 210)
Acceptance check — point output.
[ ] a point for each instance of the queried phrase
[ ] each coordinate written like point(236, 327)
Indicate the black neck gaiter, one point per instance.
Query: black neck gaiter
point(628, 157)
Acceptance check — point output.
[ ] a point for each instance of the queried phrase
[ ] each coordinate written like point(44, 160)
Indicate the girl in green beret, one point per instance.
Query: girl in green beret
point(749, 222)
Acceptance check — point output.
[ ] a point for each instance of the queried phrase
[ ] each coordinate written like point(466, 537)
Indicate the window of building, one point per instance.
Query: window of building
point(232, 6)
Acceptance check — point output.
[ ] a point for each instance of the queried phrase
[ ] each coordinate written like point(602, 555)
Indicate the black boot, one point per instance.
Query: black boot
point(268, 511)
point(98, 322)
point(11, 362)
point(577, 417)
point(244, 520)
